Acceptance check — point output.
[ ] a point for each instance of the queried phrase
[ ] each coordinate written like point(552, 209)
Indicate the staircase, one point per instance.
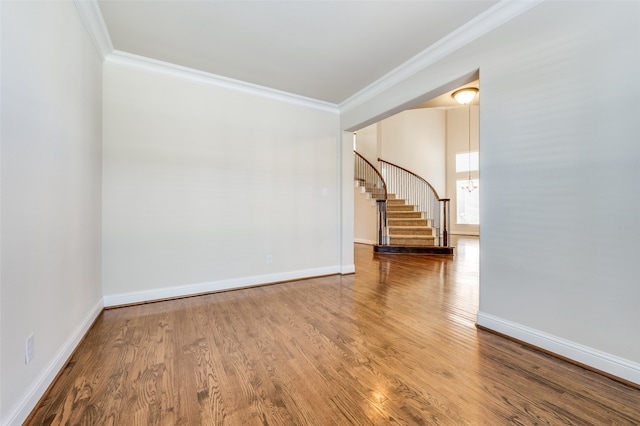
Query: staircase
point(406, 225)
point(403, 227)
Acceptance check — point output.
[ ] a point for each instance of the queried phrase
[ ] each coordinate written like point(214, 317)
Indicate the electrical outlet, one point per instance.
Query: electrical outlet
point(29, 349)
point(269, 259)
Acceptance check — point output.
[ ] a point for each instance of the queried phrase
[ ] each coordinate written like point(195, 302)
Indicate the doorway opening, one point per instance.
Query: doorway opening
point(438, 140)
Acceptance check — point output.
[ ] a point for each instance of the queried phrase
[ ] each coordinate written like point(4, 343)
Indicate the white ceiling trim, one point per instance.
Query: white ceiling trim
point(94, 23)
point(178, 71)
point(497, 15)
point(472, 30)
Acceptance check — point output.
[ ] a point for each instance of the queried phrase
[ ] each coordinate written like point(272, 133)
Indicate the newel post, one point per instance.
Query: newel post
point(382, 222)
point(446, 218)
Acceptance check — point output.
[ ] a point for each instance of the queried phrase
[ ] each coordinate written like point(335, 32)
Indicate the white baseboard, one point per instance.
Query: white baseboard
point(33, 394)
point(607, 363)
point(363, 241)
point(348, 269)
point(213, 286)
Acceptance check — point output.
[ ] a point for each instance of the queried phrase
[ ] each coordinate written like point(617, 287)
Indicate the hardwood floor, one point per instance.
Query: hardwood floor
point(393, 344)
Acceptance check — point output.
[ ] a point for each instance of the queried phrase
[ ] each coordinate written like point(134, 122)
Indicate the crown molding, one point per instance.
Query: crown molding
point(202, 77)
point(96, 27)
point(492, 18)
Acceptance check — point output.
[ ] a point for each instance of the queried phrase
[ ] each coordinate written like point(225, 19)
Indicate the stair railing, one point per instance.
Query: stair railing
point(417, 191)
point(370, 178)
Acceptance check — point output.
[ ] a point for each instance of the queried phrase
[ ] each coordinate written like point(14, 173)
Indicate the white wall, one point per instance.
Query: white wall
point(345, 232)
point(364, 213)
point(364, 217)
point(51, 132)
point(369, 144)
point(201, 183)
point(559, 163)
point(415, 140)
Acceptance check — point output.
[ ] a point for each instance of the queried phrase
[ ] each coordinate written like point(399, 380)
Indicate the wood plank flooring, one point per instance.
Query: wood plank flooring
point(394, 344)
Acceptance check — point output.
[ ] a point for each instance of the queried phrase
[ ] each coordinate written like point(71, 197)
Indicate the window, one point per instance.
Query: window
point(468, 203)
point(466, 159)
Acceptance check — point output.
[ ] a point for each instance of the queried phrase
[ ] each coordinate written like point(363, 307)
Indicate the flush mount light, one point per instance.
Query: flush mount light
point(465, 96)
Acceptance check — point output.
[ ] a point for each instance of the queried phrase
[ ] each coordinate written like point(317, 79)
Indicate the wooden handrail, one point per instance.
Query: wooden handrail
point(384, 184)
point(420, 193)
point(413, 174)
point(371, 173)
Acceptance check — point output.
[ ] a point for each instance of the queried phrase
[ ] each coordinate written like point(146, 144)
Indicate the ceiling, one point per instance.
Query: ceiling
point(325, 50)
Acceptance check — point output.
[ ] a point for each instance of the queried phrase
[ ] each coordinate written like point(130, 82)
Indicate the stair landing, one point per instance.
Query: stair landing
point(430, 250)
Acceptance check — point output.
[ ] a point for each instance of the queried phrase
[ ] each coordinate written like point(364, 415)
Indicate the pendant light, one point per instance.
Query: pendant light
point(464, 97)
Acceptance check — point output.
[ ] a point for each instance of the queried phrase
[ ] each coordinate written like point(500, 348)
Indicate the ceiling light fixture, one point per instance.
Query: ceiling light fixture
point(464, 97)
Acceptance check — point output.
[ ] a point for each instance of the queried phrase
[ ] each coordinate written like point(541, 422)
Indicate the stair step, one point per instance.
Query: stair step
point(370, 188)
point(408, 222)
point(404, 215)
point(373, 191)
point(396, 202)
point(400, 207)
point(411, 240)
point(410, 230)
